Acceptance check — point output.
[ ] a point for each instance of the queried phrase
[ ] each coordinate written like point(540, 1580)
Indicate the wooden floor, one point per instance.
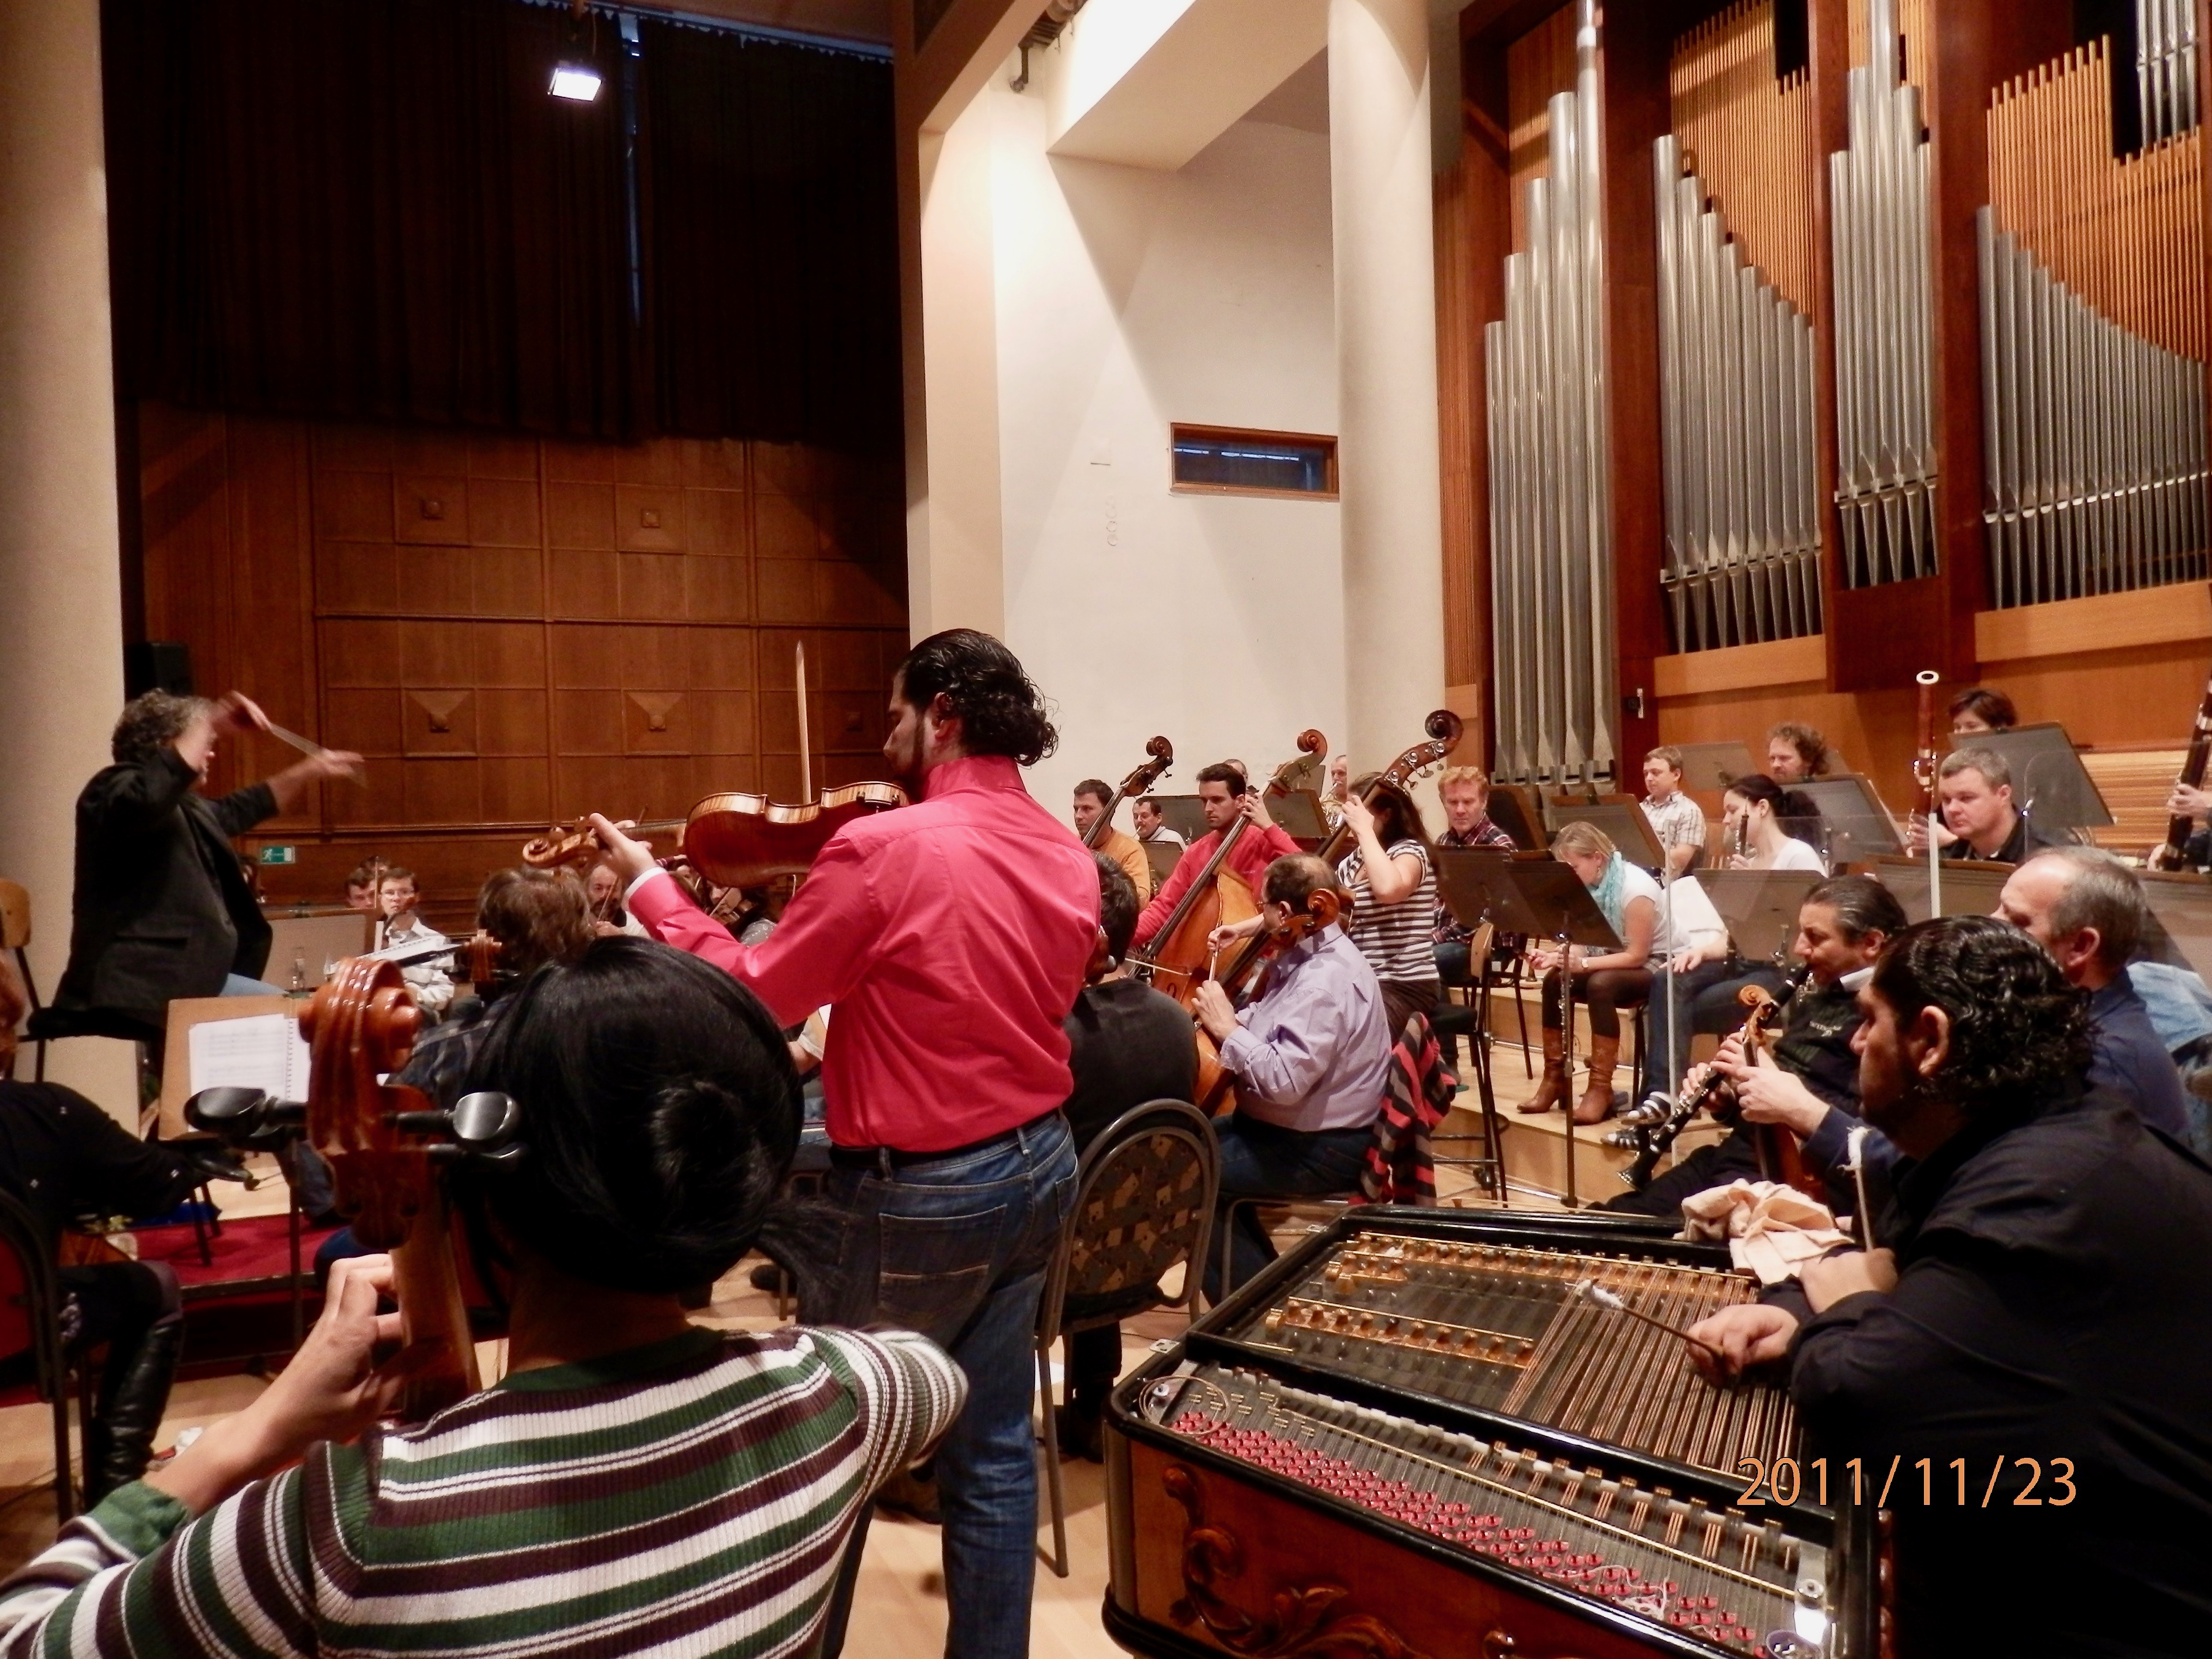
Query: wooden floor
point(900, 1608)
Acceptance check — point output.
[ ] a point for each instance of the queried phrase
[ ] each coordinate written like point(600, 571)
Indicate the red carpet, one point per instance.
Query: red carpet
point(246, 1251)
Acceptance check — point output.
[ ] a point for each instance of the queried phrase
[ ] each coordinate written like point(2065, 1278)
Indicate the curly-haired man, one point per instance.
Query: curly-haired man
point(952, 937)
point(163, 909)
point(2020, 1373)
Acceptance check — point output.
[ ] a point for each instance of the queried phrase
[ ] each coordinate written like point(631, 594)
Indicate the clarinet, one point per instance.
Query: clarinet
point(1653, 1126)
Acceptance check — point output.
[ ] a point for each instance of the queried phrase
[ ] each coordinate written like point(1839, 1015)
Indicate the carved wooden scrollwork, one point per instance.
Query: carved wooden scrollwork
point(1301, 1621)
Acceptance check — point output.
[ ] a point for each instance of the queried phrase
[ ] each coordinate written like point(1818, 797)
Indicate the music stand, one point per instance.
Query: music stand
point(1715, 766)
point(1971, 886)
point(2180, 930)
point(1513, 809)
point(1297, 814)
point(1855, 824)
point(1162, 856)
point(1757, 905)
point(1539, 898)
point(2049, 782)
point(1184, 814)
point(1624, 825)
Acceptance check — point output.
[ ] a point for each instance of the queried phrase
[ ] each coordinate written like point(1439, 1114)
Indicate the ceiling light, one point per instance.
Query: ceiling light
point(580, 81)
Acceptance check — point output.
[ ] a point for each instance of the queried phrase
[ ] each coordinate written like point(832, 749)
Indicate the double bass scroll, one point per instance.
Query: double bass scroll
point(1139, 782)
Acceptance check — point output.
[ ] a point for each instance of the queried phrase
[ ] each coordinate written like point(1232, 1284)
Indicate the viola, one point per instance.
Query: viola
point(1139, 782)
point(733, 840)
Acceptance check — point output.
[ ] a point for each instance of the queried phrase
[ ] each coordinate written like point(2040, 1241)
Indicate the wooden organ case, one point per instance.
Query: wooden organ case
point(1410, 1437)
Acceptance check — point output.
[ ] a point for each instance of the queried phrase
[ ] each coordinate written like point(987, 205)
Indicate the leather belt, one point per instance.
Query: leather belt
point(887, 1158)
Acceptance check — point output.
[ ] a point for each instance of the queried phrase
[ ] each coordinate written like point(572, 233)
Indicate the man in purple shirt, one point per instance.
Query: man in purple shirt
point(1310, 1055)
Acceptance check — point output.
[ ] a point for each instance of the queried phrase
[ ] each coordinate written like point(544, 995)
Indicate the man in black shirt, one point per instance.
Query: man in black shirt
point(1128, 1045)
point(1980, 819)
point(62, 1157)
point(2038, 1312)
point(1841, 928)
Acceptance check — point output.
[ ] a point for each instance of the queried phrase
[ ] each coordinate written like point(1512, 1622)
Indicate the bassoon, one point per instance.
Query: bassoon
point(2168, 854)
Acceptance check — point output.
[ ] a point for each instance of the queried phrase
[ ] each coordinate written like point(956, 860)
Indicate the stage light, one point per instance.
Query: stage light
point(579, 82)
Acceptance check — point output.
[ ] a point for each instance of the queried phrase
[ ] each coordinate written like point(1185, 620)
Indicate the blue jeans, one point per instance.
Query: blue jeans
point(1263, 1160)
point(955, 1249)
point(237, 985)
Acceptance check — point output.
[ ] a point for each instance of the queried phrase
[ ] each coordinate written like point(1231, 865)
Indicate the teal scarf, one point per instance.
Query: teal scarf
point(1612, 894)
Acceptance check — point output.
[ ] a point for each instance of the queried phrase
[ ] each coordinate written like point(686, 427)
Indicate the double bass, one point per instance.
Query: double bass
point(1139, 782)
point(2171, 854)
point(1239, 977)
point(1180, 958)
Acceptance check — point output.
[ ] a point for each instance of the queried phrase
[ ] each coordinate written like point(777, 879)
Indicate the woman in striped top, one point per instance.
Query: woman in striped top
point(1394, 897)
point(635, 1485)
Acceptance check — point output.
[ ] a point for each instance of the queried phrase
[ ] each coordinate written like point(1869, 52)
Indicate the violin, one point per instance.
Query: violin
point(1240, 978)
point(1179, 957)
point(736, 839)
point(1139, 782)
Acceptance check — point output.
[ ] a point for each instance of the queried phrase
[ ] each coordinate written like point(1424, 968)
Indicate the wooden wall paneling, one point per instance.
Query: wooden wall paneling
point(515, 631)
point(1635, 44)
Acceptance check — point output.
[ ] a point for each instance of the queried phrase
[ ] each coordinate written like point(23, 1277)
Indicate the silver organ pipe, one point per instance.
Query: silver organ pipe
point(1886, 459)
point(2092, 377)
point(1551, 511)
point(1735, 362)
point(2165, 66)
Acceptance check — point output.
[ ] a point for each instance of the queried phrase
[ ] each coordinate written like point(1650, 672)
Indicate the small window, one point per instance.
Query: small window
point(1218, 461)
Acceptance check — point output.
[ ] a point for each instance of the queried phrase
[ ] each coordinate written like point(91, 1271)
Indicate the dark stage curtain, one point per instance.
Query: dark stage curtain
point(373, 210)
point(774, 227)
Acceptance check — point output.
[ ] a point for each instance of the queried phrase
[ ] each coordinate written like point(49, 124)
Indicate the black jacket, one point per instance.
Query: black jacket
point(63, 1158)
point(2051, 1327)
point(163, 909)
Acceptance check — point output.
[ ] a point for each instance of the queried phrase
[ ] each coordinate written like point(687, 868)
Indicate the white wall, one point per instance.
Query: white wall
point(1128, 298)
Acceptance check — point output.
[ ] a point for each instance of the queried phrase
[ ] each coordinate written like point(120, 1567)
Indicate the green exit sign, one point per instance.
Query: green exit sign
point(279, 855)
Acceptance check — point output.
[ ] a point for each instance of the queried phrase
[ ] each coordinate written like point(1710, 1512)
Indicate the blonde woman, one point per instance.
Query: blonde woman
point(1605, 982)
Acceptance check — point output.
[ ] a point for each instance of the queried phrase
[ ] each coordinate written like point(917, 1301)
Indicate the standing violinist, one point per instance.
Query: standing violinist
point(1225, 795)
point(952, 938)
point(1094, 799)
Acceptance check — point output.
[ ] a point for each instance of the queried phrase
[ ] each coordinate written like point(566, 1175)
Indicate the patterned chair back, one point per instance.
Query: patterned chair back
point(1143, 1202)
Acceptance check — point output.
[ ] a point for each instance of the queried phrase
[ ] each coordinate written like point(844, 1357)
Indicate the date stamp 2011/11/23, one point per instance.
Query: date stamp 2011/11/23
point(2032, 1482)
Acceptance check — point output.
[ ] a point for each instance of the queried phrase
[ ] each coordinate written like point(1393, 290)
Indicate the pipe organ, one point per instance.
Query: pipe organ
point(1878, 207)
point(2165, 66)
point(2092, 344)
point(1736, 356)
point(1552, 567)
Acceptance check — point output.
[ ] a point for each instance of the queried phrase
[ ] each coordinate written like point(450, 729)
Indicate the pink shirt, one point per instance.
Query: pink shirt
point(950, 936)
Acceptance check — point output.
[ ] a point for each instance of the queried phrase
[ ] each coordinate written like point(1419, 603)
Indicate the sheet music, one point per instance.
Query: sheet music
point(263, 1051)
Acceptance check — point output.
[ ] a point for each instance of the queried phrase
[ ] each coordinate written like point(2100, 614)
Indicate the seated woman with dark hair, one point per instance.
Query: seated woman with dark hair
point(634, 1482)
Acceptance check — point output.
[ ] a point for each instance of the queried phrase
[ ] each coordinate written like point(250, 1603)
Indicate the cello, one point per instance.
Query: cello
point(1139, 782)
point(1240, 977)
point(386, 1143)
point(1179, 958)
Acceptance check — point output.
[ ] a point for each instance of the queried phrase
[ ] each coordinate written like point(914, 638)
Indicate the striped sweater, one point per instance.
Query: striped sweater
point(692, 1497)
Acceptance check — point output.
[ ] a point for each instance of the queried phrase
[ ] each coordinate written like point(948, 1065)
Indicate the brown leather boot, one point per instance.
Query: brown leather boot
point(1553, 1086)
point(1596, 1103)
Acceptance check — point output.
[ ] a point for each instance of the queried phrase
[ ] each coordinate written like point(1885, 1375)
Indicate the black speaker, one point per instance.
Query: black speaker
point(157, 666)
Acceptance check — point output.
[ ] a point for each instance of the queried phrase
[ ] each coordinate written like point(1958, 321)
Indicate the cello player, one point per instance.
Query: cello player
point(1224, 794)
point(952, 937)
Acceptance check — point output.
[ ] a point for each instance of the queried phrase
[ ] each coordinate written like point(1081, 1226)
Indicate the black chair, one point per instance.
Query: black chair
point(1143, 1202)
point(30, 1322)
point(52, 1024)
